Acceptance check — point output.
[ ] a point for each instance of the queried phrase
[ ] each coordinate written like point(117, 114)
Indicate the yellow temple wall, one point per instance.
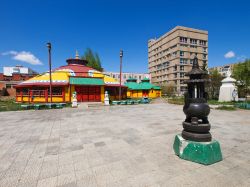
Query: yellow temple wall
point(139, 93)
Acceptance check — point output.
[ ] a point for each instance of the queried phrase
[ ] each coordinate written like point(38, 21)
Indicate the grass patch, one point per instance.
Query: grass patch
point(216, 102)
point(228, 108)
point(9, 105)
point(176, 100)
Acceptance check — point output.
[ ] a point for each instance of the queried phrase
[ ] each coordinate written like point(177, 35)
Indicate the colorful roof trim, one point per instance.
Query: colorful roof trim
point(62, 75)
point(85, 81)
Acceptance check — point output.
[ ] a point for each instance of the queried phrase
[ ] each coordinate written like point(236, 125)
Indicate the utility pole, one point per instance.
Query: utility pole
point(50, 78)
point(120, 88)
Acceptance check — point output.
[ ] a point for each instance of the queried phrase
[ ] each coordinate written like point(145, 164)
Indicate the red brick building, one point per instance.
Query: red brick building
point(9, 81)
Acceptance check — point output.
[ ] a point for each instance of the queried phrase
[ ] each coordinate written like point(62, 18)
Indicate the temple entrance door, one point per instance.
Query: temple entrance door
point(98, 93)
point(78, 94)
point(88, 93)
point(85, 93)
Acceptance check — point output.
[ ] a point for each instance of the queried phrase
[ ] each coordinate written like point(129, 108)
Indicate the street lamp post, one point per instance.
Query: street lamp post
point(50, 78)
point(120, 88)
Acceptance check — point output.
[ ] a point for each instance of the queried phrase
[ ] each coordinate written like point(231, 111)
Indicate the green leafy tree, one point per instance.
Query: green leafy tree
point(241, 72)
point(93, 59)
point(214, 84)
point(168, 89)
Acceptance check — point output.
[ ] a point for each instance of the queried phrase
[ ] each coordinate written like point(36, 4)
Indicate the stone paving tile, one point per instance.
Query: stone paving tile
point(86, 178)
point(48, 182)
point(66, 168)
point(116, 146)
point(66, 179)
point(49, 170)
point(31, 184)
point(8, 182)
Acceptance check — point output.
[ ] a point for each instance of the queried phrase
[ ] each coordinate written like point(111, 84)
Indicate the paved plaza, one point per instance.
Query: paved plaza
point(116, 146)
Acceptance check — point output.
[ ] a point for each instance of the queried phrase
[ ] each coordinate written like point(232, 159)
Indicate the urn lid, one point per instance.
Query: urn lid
point(196, 69)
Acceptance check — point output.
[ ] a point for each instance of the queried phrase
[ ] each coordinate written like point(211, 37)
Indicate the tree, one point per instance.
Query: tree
point(93, 59)
point(4, 92)
point(241, 72)
point(214, 84)
point(168, 89)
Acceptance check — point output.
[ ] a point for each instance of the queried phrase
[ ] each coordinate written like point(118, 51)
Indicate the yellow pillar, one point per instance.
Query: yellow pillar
point(102, 93)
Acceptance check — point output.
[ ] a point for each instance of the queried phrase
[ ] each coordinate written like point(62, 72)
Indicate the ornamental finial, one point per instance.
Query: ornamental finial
point(77, 55)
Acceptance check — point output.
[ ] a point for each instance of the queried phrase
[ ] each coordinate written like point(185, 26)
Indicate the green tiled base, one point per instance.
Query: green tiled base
point(200, 152)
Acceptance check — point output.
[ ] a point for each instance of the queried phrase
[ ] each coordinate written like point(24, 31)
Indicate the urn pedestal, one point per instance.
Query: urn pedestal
point(205, 153)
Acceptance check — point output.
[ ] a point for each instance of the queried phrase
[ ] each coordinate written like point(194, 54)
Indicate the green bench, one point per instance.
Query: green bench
point(137, 101)
point(123, 102)
point(39, 106)
point(116, 102)
point(59, 106)
point(25, 107)
point(50, 105)
point(130, 102)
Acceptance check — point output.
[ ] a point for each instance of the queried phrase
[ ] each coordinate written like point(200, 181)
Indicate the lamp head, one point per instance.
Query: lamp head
point(49, 45)
point(121, 53)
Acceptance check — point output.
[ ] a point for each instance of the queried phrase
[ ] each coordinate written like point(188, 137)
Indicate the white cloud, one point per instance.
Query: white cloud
point(229, 54)
point(24, 56)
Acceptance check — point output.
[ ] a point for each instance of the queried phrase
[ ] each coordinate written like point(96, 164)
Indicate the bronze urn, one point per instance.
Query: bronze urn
point(196, 125)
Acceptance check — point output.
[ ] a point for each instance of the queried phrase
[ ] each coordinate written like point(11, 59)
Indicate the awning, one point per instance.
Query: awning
point(85, 81)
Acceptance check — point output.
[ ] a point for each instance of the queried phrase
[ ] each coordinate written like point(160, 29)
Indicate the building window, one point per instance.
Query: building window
point(183, 39)
point(181, 68)
point(182, 75)
point(191, 61)
point(204, 49)
point(174, 54)
point(202, 42)
point(25, 91)
point(159, 66)
point(183, 61)
point(175, 75)
point(175, 68)
point(183, 45)
point(124, 76)
point(204, 56)
point(8, 86)
point(193, 46)
point(181, 53)
point(193, 41)
point(56, 91)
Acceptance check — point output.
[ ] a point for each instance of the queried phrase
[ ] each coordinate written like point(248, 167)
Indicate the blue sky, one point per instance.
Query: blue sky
point(108, 26)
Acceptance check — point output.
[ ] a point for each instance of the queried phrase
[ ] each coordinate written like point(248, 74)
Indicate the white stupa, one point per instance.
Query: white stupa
point(228, 90)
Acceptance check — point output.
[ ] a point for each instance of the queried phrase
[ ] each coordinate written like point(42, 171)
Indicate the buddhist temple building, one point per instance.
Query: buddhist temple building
point(88, 83)
point(142, 89)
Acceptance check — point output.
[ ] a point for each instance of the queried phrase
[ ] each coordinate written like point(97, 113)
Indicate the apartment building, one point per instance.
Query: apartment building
point(223, 70)
point(171, 56)
point(125, 76)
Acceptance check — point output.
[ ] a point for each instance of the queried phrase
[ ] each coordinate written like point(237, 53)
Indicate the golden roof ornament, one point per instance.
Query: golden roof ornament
point(77, 55)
